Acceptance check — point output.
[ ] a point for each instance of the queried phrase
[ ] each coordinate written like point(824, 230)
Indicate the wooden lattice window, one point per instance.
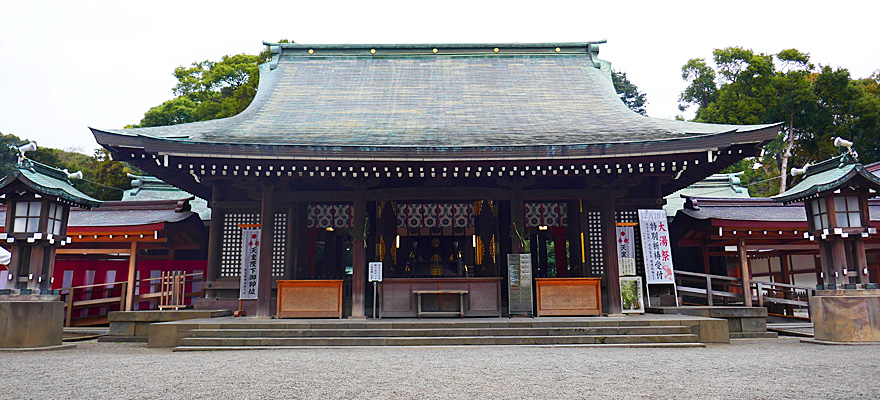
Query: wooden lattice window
point(819, 214)
point(846, 209)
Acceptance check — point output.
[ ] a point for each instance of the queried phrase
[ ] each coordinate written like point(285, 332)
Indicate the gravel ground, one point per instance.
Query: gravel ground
point(750, 369)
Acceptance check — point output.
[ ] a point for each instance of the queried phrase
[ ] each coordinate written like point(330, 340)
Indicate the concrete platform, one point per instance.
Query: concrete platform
point(134, 326)
point(742, 322)
point(31, 324)
point(255, 332)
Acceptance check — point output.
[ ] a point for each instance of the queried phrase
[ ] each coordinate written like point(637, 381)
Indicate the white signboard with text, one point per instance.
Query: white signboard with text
point(375, 272)
point(656, 247)
point(250, 263)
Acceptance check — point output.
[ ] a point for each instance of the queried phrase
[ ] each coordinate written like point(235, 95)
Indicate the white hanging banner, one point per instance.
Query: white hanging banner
point(655, 247)
point(250, 263)
point(625, 242)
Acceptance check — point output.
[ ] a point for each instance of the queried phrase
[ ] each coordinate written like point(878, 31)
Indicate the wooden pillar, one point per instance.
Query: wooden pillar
point(359, 270)
point(518, 219)
point(861, 260)
point(267, 223)
point(132, 274)
point(573, 233)
point(299, 249)
point(817, 265)
point(785, 264)
point(290, 230)
point(584, 241)
point(744, 272)
point(838, 261)
point(707, 266)
point(215, 235)
point(609, 241)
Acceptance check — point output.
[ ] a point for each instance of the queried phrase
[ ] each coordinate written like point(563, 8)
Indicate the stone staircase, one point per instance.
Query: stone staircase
point(275, 334)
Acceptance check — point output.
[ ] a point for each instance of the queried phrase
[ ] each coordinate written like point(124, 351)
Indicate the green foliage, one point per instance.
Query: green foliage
point(629, 93)
point(701, 89)
point(209, 90)
point(745, 87)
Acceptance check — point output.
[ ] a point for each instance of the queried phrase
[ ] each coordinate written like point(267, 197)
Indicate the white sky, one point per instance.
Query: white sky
point(68, 65)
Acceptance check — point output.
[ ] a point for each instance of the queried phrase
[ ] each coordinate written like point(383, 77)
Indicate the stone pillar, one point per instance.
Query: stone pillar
point(609, 244)
point(359, 270)
point(267, 222)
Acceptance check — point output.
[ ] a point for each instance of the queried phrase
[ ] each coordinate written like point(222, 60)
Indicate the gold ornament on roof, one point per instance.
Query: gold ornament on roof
point(372, 51)
point(435, 51)
point(496, 50)
point(311, 51)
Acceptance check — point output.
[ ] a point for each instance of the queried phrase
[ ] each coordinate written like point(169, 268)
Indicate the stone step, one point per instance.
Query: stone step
point(436, 340)
point(437, 323)
point(753, 335)
point(612, 345)
point(555, 331)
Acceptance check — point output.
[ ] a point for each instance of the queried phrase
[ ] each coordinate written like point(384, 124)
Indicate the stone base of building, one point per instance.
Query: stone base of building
point(846, 315)
point(31, 324)
point(134, 326)
point(742, 322)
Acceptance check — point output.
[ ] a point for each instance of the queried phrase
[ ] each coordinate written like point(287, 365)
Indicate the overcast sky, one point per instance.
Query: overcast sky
point(65, 66)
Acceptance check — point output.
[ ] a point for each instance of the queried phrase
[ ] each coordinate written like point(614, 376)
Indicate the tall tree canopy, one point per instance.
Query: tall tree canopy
point(208, 90)
point(629, 93)
point(814, 104)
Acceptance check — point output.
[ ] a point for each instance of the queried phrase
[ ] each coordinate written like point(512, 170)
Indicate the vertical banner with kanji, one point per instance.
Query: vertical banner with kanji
point(250, 263)
point(655, 247)
point(625, 242)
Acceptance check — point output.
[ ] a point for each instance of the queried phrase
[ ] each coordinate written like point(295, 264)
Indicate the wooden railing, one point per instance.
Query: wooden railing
point(168, 293)
point(782, 293)
point(728, 290)
point(712, 288)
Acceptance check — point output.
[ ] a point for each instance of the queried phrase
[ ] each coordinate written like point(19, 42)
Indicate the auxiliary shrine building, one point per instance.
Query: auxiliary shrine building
point(436, 160)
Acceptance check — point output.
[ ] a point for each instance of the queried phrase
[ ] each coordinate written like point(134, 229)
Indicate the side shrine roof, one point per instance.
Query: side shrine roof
point(828, 175)
point(150, 188)
point(760, 210)
point(47, 181)
point(434, 102)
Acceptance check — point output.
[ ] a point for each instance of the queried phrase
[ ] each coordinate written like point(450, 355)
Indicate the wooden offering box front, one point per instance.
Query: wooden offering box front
point(568, 296)
point(310, 299)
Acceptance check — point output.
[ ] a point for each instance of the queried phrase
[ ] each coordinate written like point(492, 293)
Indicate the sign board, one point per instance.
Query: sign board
point(375, 271)
point(627, 266)
point(250, 263)
point(656, 247)
point(519, 283)
point(631, 299)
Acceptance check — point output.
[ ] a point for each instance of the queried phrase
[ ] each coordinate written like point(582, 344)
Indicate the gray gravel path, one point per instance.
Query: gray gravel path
point(754, 369)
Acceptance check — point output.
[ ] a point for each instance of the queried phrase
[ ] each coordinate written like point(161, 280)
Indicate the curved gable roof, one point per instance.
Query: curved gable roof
point(525, 100)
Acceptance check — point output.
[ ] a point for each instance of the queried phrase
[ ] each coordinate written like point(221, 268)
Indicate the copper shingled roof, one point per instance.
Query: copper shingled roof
point(523, 100)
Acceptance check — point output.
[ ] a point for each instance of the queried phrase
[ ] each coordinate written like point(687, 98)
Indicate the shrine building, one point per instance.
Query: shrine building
point(437, 160)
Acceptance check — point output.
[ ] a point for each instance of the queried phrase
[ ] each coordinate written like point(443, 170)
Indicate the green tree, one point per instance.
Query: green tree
point(629, 93)
point(208, 90)
point(796, 105)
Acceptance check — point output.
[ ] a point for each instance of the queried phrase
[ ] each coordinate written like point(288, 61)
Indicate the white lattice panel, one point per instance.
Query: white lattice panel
point(595, 254)
point(230, 259)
